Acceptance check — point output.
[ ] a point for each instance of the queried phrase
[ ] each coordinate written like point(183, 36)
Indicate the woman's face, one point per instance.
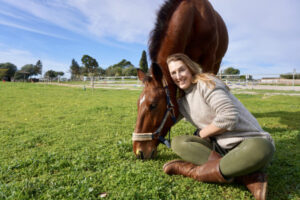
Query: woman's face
point(180, 74)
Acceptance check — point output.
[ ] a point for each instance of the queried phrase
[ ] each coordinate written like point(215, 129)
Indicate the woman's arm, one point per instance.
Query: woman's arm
point(211, 130)
point(227, 113)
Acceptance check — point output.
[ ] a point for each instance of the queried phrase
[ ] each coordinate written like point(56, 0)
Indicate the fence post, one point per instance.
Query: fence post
point(294, 72)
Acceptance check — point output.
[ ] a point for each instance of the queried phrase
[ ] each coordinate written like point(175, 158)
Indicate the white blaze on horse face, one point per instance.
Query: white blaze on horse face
point(142, 100)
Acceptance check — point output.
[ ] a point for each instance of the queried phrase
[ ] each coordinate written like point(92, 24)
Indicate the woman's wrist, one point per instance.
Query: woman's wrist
point(210, 130)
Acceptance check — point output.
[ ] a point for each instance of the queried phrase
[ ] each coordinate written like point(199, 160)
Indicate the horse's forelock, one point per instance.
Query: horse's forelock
point(147, 79)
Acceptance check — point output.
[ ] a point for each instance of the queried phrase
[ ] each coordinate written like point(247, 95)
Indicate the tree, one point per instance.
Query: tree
point(50, 74)
point(143, 62)
point(21, 75)
point(119, 68)
point(75, 70)
point(231, 70)
point(10, 72)
point(31, 69)
point(3, 74)
point(91, 66)
point(130, 71)
point(101, 71)
point(290, 76)
point(38, 67)
point(83, 71)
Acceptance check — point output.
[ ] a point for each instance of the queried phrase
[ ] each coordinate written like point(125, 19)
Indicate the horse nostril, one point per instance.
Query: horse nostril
point(153, 154)
point(141, 155)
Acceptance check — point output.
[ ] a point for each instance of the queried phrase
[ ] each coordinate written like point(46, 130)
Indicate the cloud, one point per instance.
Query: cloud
point(264, 35)
point(26, 28)
point(126, 21)
point(122, 20)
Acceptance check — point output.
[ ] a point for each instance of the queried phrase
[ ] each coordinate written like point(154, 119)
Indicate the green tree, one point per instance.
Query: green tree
point(38, 67)
point(21, 75)
point(3, 73)
point(75, 70)
point(290, 76)
point(130, 71)
point(101, 71)
point(143, 62)
point(119, 68)
point(31, 70)
point(91, 66)
point(10, 72)
point(231, 70)
point(51, 74)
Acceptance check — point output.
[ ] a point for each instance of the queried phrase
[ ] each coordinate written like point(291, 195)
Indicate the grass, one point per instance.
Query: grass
point(67, 143)
point(266, 92)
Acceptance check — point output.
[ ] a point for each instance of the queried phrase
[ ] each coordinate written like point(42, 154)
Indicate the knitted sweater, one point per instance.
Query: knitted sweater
point(202, 106)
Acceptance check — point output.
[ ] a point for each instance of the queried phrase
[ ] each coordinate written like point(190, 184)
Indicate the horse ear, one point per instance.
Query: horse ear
point(156, 72)
point(141, 74)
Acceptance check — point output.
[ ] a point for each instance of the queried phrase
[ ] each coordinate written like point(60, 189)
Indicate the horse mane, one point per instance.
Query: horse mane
point(161, 25)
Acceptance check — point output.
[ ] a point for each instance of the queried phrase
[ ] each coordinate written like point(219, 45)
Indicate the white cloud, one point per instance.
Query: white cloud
point(264, 35)
point(122, 20)
point(26, 28)
point(51, 12)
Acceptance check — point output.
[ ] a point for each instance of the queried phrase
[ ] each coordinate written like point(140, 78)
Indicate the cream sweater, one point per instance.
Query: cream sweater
point(202, 106)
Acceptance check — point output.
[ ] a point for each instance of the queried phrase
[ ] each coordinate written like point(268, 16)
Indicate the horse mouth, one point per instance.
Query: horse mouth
point(141, 155)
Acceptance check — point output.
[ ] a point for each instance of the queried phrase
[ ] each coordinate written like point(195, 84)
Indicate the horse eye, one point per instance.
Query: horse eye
point(152, 106)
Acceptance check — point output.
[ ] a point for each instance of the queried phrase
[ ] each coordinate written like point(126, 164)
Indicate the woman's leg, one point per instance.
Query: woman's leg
point(251, 155)
point(192, 148)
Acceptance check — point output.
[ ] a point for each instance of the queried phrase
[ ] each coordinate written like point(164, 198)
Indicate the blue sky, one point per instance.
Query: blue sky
point(264, 35)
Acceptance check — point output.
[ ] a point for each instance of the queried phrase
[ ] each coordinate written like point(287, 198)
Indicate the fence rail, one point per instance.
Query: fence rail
point(243, 81)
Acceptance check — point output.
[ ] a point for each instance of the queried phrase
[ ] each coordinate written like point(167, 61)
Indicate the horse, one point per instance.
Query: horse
point(191, 27)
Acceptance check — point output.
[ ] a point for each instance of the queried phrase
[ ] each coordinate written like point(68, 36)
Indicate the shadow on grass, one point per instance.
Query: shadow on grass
point(284, 171)
point(291, 119)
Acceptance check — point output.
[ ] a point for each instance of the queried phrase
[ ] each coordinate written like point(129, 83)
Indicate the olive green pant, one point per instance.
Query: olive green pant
point(252, 154)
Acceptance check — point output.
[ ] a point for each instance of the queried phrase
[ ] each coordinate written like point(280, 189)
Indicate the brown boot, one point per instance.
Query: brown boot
point(256, 183)
point(208, 172)
point(171, 168)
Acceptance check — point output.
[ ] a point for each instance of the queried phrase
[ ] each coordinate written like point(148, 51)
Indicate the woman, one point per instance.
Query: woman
point(230, 142)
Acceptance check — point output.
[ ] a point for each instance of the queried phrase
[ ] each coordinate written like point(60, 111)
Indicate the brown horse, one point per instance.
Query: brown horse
point(192, 27)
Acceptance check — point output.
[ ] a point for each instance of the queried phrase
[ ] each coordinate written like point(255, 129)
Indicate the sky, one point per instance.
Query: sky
point(264, 36)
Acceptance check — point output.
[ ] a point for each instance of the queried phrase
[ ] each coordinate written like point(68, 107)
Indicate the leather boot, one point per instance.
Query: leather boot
point(256, 183)
point(208, 172)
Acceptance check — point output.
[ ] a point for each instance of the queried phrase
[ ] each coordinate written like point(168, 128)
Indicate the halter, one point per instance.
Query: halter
point(156, 134)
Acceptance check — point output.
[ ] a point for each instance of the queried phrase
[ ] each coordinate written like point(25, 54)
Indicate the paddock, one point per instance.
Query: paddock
point(69, 143)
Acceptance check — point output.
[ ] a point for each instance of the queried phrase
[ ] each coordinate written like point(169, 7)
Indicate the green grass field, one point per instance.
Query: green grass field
point(66, 143)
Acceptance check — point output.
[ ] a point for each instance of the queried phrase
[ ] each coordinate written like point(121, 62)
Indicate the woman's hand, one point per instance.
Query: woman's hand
point(211, 130)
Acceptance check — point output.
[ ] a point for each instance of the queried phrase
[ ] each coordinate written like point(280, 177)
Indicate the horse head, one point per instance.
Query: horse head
point(156, 114)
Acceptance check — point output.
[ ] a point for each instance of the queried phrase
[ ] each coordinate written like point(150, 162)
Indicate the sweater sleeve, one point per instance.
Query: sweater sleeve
point(227, 114)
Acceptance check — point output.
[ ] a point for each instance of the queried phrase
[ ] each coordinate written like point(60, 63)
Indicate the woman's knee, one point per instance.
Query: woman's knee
point(251, 155)
point(259, 149)
point(178, 142)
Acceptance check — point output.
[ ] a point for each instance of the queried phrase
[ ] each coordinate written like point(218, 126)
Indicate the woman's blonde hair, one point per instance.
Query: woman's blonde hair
point(194, 68)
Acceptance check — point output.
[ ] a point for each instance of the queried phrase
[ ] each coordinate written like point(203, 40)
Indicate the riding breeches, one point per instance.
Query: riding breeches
point(252, 154)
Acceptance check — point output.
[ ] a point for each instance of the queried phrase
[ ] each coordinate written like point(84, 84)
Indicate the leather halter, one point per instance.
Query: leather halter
point(156, 134)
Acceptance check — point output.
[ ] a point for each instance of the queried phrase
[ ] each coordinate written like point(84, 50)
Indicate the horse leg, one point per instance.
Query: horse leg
point(208, 63)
